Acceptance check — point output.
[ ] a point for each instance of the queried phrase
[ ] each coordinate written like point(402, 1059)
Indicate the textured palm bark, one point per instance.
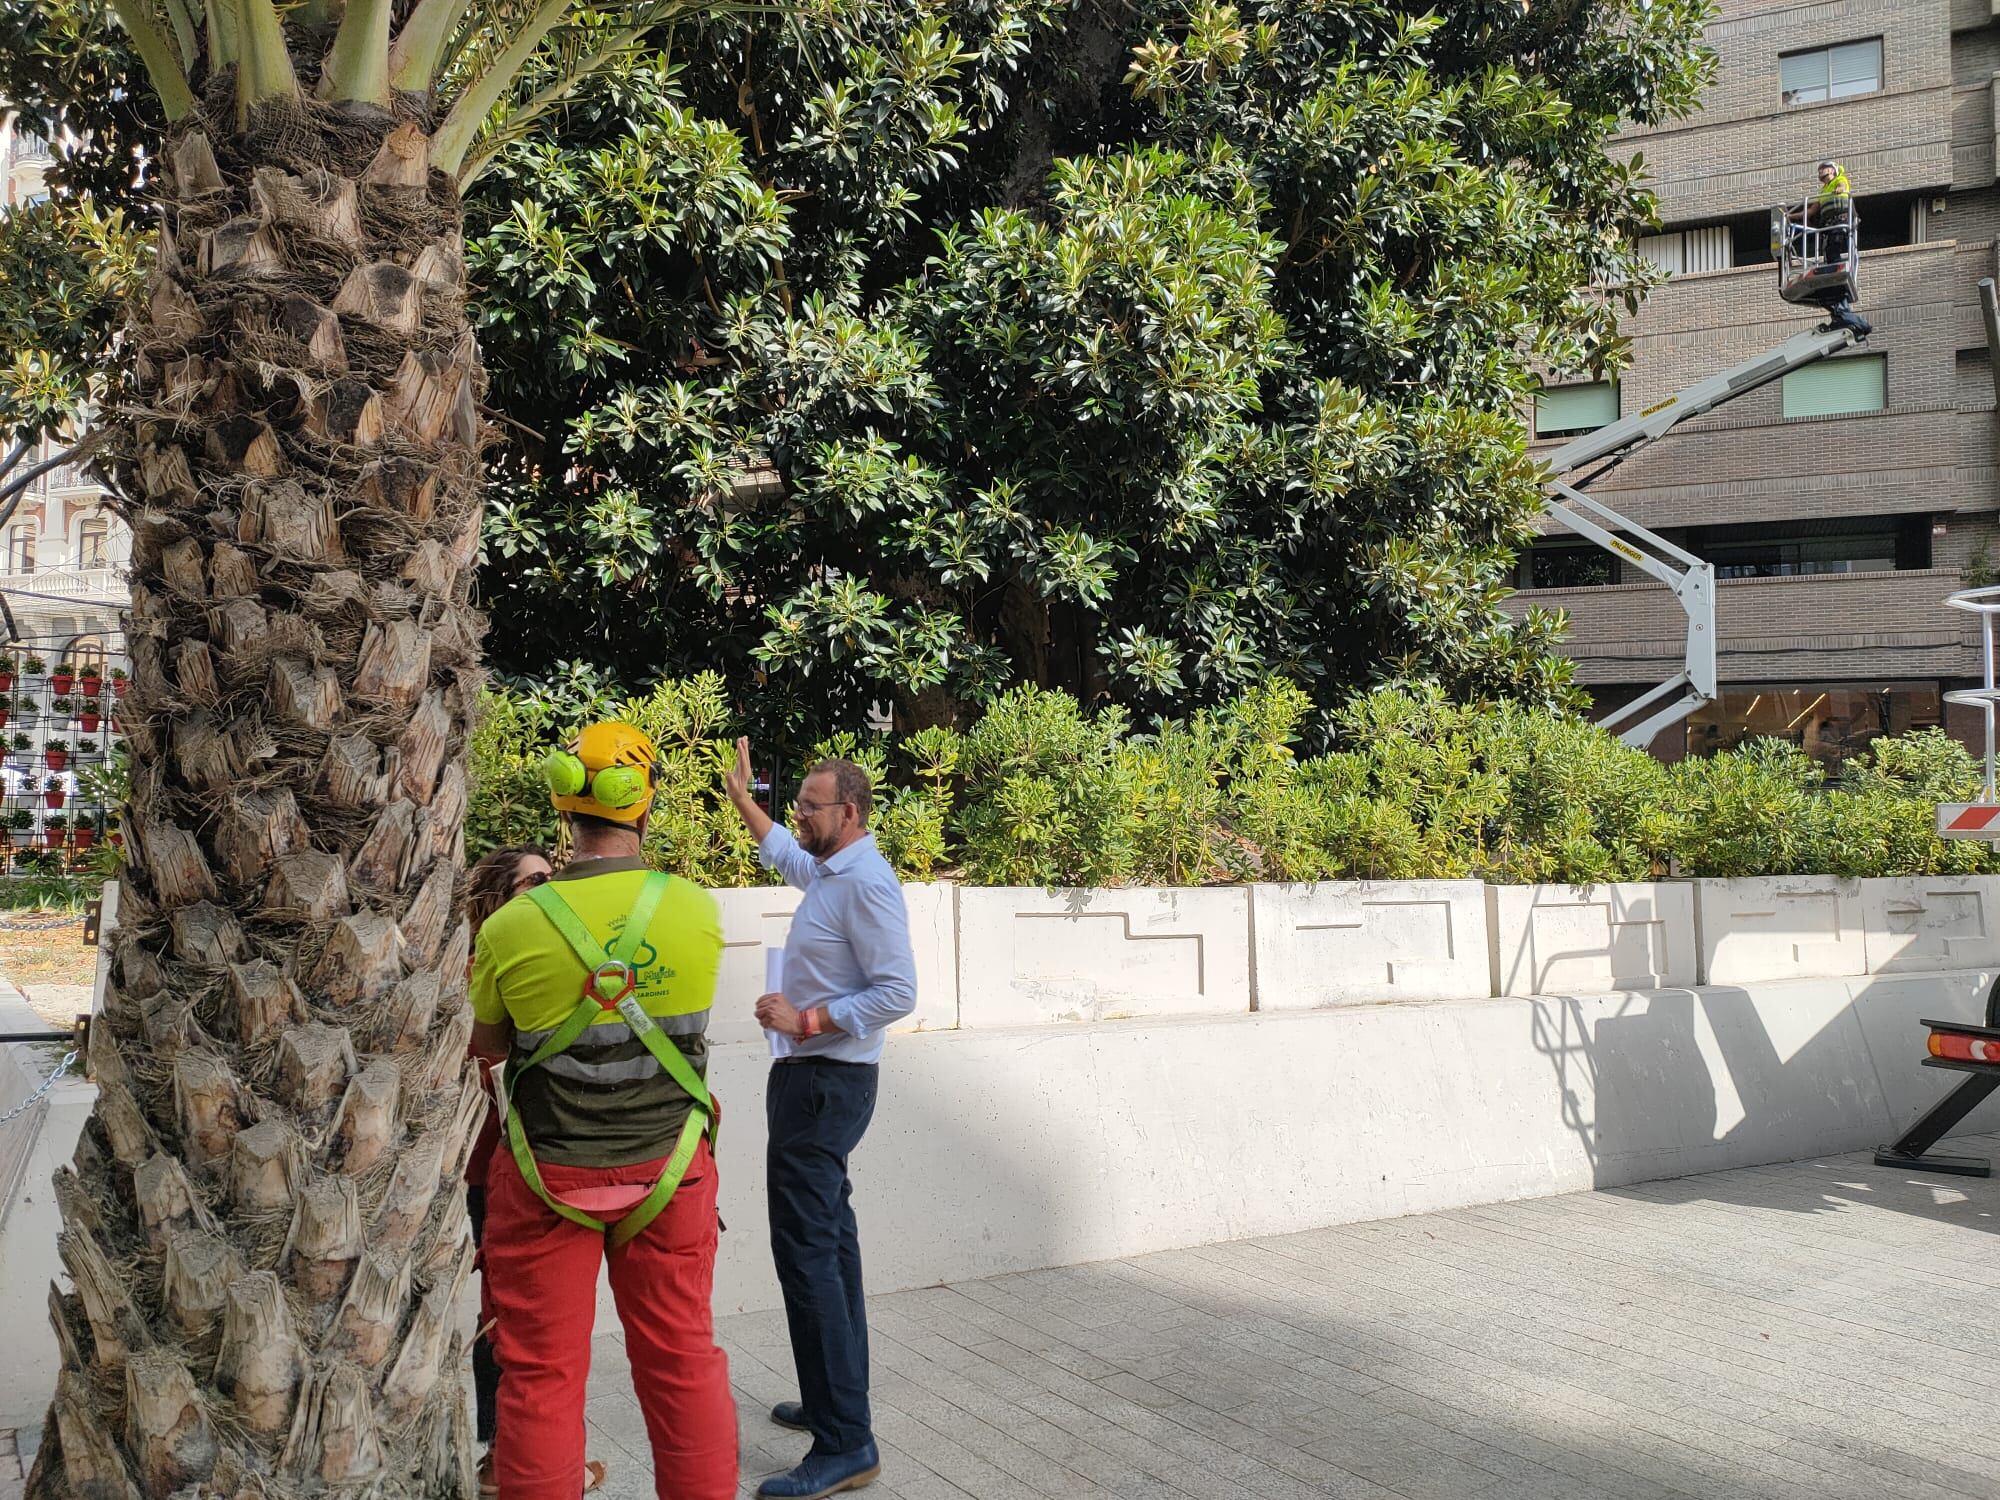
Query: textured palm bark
point(265, 1227)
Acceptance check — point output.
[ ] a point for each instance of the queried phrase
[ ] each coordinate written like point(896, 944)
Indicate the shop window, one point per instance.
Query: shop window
point(1833, 722)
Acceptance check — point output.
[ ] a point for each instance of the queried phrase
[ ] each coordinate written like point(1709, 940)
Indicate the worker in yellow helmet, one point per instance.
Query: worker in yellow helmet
point(1831, 210)
point(594, 989)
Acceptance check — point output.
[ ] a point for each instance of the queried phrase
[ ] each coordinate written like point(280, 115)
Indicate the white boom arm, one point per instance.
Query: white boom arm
point(1691, 579)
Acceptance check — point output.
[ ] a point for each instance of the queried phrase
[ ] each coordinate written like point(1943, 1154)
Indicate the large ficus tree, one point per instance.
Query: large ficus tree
point(264, 1226)
point(1135, 350)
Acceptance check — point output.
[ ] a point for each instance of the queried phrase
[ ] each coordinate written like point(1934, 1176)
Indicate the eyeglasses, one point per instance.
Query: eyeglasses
point(813, 809)
point(529, 882)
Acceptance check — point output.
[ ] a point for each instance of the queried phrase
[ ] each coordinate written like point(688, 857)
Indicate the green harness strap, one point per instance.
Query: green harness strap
point(602, 963)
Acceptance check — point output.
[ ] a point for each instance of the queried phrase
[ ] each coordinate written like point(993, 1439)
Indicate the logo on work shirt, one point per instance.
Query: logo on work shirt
point(646, 961)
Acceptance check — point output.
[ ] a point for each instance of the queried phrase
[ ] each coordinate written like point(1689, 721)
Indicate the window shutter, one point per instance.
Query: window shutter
point(1710, 249)
point(1575, 408)
point(1836, 386)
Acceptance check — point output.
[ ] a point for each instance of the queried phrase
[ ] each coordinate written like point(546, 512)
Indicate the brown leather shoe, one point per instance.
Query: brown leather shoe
point(594, 1471)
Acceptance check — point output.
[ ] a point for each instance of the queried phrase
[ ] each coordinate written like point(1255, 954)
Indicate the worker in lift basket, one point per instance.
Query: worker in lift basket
point(1832, 211)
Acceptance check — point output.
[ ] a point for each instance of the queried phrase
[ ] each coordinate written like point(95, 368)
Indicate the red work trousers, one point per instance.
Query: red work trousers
point(541, 1285)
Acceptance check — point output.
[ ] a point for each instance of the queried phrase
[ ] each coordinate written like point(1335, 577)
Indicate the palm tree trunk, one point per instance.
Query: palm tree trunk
point(265, 1218)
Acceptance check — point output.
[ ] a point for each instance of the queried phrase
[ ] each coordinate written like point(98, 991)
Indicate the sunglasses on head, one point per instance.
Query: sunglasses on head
point(529, 882)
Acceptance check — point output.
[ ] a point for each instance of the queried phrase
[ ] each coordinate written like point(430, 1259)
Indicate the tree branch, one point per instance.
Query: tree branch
point(454, 138)
point(183, 24)
point(264, 70)
point(519, 121)
point(419, 49)
point(11, 489)
point(169, 81)
point(357, 66)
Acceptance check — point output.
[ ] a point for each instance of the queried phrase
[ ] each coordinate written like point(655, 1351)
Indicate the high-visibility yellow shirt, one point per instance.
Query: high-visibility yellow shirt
point(606, 1101)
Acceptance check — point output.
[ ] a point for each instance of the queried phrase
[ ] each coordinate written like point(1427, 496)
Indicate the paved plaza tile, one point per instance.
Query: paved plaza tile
point(1812, 1331)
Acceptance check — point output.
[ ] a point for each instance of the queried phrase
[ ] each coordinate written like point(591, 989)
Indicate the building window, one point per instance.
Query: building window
point(1868, 552)
point(1566, 410)
point(1684, 251)
point(1570, 568)
point(86, 653)
point(1831, 722)
point(93, 542)
point(1834, 387)
point(21, 548)
point(1831, 72)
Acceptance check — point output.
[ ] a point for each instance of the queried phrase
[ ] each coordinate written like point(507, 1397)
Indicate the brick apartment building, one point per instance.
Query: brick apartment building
point(1840, 506)
point(62, 552)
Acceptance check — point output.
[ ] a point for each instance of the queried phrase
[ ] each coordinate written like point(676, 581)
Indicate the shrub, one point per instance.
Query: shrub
point(1041, 792)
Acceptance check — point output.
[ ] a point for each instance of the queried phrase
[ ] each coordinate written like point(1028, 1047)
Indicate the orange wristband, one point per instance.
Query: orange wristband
point(811, 1023)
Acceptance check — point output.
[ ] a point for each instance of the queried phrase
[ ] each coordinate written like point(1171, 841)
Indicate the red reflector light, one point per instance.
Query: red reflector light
point(1961, 1048)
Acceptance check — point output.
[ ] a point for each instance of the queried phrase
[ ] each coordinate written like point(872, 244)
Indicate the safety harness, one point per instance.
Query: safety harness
point(612, 985)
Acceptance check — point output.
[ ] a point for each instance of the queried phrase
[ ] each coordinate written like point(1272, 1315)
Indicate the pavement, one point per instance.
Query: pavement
point(1816, 1330)
point(1820, 1329)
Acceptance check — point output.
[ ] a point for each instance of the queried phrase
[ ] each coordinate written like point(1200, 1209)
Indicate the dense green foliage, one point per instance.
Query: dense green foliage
point(1039, 792)
point(893, 353)
point(899, 352)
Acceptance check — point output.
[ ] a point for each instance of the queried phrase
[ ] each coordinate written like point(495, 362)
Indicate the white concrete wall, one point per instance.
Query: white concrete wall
point(1352, 943)
point(1925, 923)
point(1779, 927)
point(1030, 957)
point(1000, 1150)
point(1591, 939)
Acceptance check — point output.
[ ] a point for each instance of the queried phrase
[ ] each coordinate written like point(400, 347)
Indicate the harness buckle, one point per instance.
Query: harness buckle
point(628, 980)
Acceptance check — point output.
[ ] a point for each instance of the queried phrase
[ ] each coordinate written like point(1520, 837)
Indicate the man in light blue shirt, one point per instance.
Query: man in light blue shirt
point(849, 975)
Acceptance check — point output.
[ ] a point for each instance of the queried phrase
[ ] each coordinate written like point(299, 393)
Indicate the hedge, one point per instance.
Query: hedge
point(1041, 792)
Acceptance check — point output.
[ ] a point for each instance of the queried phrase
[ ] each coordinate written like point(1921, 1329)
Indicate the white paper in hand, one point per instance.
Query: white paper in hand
point(774, 983)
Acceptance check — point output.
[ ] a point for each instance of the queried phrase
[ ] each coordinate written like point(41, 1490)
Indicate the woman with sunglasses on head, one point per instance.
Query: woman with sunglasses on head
point(491, 884)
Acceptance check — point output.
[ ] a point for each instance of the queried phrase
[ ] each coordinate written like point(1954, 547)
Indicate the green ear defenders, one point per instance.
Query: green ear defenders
point(613, 786)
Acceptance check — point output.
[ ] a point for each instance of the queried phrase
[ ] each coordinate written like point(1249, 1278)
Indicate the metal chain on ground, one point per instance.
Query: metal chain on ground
point(47, 1083)
point(43, 924)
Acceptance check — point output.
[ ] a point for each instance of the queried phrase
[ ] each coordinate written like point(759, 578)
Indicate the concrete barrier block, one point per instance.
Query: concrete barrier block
point(1931, 922)
point(1590, 939)
point(1779, 927)
point(760, 918)
point(1362, 943)
point(1034, 958)
point(107, 925)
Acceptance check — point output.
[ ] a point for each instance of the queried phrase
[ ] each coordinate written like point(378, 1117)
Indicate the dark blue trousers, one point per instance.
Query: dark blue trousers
point(817, 1112)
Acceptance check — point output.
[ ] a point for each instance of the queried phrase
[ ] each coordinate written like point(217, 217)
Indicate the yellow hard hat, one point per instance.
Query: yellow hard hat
point(610, 770)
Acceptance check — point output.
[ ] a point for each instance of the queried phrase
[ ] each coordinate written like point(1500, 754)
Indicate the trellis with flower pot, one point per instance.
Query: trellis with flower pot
point(53, 725)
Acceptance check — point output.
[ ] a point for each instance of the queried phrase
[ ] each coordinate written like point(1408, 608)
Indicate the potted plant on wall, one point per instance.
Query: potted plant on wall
point(55, 830)
point(90, 681)
point(86, 747)
point(62, 704)
point(117, 682)
point(24, 743)
point(62, 678)
point(22, 822)
point(9, 665)
point(35, 666)
point(89, 714)
point(56, 753)
point(84, 835)
point(53, 791)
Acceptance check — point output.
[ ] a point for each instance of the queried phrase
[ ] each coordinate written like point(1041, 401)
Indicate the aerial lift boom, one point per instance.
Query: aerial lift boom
point(1691, 579)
